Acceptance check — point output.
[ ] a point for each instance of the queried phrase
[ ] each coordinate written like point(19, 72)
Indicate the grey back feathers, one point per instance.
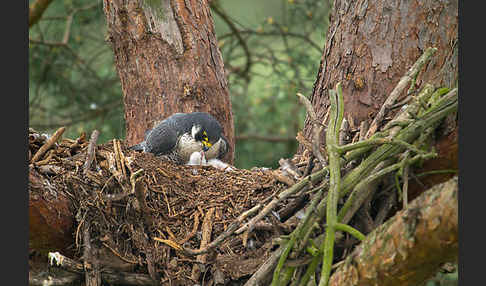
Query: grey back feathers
point(165, 137)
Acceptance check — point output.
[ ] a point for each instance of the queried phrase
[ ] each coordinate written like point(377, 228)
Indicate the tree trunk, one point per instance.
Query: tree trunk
point(371, 44)
point(167, 57)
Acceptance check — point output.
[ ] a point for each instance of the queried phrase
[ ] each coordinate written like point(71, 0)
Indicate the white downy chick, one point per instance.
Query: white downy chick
point(197, 159)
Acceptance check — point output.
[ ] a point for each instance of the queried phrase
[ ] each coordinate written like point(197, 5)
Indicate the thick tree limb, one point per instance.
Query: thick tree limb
point(410, 247)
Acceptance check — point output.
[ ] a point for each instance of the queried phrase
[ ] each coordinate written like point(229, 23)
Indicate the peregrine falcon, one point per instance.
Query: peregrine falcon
point(182, 134)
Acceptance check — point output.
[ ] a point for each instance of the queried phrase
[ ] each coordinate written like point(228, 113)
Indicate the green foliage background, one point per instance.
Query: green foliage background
point(76, 85)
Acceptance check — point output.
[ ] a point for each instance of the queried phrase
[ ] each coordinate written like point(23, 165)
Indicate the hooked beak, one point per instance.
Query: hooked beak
point(206, 145)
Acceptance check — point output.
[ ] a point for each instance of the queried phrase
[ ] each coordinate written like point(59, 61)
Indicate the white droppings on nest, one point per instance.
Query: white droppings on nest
point(55, 256)
point(129, 161)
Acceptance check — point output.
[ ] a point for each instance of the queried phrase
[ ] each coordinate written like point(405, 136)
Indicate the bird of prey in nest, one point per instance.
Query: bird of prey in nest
point(180, 135)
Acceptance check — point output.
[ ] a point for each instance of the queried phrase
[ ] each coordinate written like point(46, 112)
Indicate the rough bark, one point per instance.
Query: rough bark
point(167, 57)
point(410, 247)
point(369, 47)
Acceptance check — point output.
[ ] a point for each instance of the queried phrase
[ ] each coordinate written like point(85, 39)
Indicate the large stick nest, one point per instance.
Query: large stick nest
point(176, 200)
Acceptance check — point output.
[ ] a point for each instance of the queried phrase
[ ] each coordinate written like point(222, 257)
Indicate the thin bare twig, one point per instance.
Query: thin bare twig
point(91, 151)
point(217, 8)
point(316, 129)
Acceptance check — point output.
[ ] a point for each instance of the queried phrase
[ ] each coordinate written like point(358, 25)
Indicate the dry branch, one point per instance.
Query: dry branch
point(91, 150)
point(316, 129)
point(48, 144)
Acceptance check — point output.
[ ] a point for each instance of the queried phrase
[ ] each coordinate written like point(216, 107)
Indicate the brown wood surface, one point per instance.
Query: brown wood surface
point(168, 60)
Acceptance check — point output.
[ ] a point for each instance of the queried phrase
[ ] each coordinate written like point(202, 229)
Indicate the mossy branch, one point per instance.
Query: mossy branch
point(332, 142)
point(354, 232)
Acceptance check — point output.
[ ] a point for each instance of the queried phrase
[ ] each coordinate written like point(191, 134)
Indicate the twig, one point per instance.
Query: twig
point(397, 91)
point(363, 192)
point(91, 264)
point(283, 195)
point(350, 230)
point(316, 128)
point(352, 198)
point(332, 143)
point(310, 165)
point(303, 228)
point(194, 229)
point(342, 132)
point(206, 230)
point(67, 31)
point(217, 8)
point(379, 141)
point(119, 158)
point(91, 151)
point(229, 231)
point(48, 144)
point(140, 195)
point(404, 172)
point(133, 179)
point(261, 275)
point(118, 254)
